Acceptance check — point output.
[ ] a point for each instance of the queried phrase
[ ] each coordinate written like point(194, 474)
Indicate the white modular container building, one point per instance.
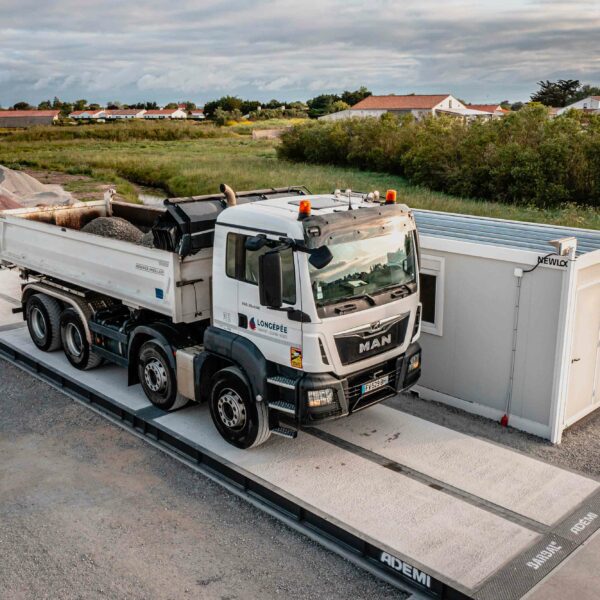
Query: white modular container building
point(510, 327)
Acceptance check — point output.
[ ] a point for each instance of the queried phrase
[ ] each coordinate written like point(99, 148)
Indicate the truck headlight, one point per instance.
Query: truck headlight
point(414, 362)
point(320, 397)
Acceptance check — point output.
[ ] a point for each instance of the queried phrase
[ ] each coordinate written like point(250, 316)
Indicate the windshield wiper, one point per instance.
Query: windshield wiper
point(401, 286)
point(367, 297)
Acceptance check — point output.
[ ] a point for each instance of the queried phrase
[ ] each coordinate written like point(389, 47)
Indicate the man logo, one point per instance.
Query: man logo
point(375, 343)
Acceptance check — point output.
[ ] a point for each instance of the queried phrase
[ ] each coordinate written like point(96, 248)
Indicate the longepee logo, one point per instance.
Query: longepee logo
point(270, 327)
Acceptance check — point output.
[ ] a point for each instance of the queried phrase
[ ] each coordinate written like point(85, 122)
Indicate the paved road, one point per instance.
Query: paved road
point(89, 511)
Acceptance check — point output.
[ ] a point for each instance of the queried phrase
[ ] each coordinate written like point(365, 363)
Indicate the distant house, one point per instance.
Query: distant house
point(494, 109)
point(591, 104)
point(27, 118)
point(166, 113)
point(419, 105)
point(198, 114)
point(125, 113)
point(88, 114)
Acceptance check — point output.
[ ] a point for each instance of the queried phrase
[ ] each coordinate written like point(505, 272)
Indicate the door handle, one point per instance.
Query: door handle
point(575, 360)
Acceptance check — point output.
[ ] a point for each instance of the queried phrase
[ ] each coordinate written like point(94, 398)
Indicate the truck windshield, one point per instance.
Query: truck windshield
point(365, 268)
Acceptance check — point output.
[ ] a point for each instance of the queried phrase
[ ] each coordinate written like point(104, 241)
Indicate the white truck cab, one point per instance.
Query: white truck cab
point(278, 307)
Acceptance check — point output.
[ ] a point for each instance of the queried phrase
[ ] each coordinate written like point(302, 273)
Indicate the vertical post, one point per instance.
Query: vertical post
point(562, 360)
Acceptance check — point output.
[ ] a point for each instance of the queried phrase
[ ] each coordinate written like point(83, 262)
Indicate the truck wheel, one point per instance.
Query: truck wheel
point(75, 344)
point(43, 321)
point(239, 420)
point(157, 377)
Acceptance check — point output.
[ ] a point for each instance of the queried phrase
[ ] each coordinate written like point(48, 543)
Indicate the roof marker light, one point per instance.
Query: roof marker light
point(390, 197)
point(304, 209)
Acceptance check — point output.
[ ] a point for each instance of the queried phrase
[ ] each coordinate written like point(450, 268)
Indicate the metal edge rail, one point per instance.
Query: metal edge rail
point(346, 544)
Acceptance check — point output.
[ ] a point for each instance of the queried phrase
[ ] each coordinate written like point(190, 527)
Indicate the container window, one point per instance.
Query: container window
point(431, 289)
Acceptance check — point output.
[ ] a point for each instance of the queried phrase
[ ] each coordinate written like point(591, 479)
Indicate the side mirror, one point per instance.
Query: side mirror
point(319, 258)
point(270, 283)
point(256, 242)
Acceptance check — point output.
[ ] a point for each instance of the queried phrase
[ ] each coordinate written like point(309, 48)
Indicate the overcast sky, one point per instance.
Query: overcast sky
point(479, 50)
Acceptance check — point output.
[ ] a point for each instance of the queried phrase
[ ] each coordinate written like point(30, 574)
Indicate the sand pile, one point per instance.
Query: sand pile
point(116, 228)
point(19, 190)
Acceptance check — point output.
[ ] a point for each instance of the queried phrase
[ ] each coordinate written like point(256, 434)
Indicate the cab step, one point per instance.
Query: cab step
point(286, 407)
point(281, 381)
point(285, 432)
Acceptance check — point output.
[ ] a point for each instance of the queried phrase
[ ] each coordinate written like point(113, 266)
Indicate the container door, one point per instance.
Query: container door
point(584, 376)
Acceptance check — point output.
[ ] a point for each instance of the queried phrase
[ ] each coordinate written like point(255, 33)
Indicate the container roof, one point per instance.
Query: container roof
point(499, 232)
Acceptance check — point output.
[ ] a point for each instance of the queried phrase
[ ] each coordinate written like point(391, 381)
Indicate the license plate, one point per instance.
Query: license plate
point(365, 388)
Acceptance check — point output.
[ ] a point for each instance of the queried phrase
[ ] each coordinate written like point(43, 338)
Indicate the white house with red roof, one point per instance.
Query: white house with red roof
point(28, 118)
point(125, 113)
point(591, 104)
point(418, 105)
point(166, 113)
point(197, 114)
point(494, 109)
point(89, 113)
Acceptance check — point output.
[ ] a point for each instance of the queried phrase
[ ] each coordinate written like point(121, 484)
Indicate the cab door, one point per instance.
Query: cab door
point(276, 335)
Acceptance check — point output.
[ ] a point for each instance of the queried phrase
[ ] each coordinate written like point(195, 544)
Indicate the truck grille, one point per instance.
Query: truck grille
point(358, 400)
point(369, 341)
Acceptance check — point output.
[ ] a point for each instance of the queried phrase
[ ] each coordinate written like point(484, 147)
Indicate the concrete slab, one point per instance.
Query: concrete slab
point(432, 528)
point(578, 577)
point(508, 479)
point(109, 380)
point(10, 293)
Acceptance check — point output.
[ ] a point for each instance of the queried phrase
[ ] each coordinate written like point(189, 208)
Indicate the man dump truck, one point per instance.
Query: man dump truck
point(279, 308)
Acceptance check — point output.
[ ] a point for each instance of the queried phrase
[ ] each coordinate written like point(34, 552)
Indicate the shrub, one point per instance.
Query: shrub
point(524, 158)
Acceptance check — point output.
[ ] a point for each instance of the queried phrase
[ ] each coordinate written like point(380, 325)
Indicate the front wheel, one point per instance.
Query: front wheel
point(239, 420)
point(158, 378)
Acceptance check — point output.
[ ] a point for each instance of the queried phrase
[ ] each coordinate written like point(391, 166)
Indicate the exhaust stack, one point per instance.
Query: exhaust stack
point(230, 196)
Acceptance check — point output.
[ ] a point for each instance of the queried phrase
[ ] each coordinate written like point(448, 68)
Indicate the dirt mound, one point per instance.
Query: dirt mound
point(27, 191)
point(116, 228)
point(6, 203)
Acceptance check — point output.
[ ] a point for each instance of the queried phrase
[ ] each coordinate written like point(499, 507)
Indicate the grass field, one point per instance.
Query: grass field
point(186, 167)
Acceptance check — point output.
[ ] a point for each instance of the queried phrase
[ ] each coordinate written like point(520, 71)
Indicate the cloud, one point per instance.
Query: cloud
point(478, 50)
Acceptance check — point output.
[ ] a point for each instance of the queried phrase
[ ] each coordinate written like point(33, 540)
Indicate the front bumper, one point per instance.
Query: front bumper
point(348, 396)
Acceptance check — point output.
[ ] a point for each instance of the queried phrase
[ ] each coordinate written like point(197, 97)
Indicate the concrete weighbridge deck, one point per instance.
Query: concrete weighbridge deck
point(438, 511)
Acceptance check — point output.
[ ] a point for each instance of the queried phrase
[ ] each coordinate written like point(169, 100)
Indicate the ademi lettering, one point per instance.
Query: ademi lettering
point(380, 342)
point(544, 556)
point(553, 262)
point(407, 570)
point(583, 523)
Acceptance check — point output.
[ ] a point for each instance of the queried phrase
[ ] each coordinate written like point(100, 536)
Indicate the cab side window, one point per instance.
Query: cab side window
point(242, 264)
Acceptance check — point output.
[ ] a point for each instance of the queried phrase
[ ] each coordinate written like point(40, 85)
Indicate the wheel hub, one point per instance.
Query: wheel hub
point(231, 409)
point(73, 340)
point(155, 375)
point(38, 323)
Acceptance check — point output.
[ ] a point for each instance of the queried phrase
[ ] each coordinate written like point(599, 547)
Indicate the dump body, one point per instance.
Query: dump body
point(48, 241)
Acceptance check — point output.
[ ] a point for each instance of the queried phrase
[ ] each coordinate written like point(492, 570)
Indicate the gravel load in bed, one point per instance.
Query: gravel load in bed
point(116, 228)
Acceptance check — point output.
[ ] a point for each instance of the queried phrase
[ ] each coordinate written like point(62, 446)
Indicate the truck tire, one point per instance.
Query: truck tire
point(158, 378)
point(240, 421)
point(43, 321)
point(75, 345)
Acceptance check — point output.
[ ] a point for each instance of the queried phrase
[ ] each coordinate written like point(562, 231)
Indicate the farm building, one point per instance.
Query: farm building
point(166, 113)
point(590, 104)
point(93, 114)
point(125, 113)
point(510, 324)
point(197, 114)
point(27, 118)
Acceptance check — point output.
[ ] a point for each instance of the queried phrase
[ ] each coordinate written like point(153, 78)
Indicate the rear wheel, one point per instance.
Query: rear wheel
point(76, 347)
point(158, 378)
point(239, 420)
point(43, 321)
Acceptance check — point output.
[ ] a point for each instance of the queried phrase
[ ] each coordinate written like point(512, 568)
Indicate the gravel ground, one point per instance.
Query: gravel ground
point(580, 448)
point(89, 511)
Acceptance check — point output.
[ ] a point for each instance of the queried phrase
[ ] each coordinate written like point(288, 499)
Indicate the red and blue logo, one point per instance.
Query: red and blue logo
point(252, 324)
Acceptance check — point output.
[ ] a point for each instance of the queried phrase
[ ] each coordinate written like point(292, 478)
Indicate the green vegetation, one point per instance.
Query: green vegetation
point(526, 158)
point(197, 166)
